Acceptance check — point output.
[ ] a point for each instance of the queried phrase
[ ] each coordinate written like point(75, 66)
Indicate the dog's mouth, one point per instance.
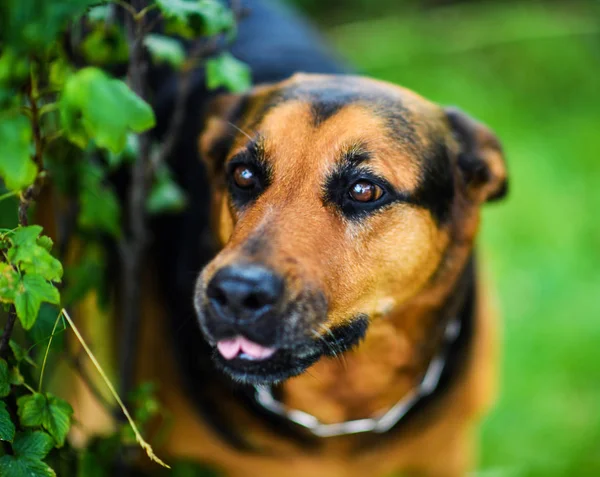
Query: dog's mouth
point(242, 348)
point(249, 362)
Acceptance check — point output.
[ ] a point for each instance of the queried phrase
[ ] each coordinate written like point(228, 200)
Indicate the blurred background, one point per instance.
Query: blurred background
point(531, 71)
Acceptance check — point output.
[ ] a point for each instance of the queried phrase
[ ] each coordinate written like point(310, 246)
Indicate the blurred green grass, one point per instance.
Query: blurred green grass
point(531, 71)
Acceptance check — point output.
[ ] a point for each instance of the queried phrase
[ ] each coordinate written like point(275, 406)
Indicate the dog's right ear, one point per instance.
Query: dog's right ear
point(219, 130)
point(480, 158)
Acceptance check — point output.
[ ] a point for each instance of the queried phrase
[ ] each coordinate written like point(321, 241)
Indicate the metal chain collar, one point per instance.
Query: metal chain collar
point(380, 423)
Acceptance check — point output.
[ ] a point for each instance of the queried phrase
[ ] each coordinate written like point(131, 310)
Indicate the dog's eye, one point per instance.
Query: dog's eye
point(244, 177)
point(365, 191)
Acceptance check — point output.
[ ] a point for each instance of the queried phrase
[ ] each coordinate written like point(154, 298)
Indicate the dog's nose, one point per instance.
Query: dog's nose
point(244, 293)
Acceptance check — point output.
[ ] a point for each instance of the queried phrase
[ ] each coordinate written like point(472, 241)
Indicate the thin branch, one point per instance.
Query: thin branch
point(6, 334)
point(27, 197)
point(138, 436)
point(134, 242)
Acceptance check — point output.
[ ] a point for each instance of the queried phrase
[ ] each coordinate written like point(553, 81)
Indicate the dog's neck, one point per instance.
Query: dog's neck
point(389, 363)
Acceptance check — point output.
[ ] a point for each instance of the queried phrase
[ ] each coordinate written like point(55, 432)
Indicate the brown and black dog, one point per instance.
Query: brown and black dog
point(343, 328)
point(344, 298)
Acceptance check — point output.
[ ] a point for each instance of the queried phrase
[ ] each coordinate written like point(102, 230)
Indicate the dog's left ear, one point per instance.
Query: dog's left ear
point(218, 131)
point(480, 158)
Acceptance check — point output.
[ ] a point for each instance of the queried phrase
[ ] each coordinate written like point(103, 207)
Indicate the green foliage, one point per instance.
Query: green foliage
point(165, 50)
point(30, 253)
point(93, 105)
point(71, 127)
point(29, 449)
point(34, 445)
point(4, 379)
point(14, 68)
point(166, 195)
point(229, 72)
point(18, 466)
point(127, 155)
point(100, 209)
point(32, 291)
point(33, 25)
point(7, 428)
point(16, 167)
point(47, 411)
point(196, 17)
point(105, 45)
point(20, 354)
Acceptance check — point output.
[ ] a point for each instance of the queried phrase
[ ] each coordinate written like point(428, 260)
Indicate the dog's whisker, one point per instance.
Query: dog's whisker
point(339, 354)
point(325, 342)
point(240, 130)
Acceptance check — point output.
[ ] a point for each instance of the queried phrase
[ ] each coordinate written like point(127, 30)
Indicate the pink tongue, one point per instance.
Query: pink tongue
point(232, 347)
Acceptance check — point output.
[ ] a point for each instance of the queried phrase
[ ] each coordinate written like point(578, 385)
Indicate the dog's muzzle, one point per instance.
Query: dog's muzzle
point(261, 333)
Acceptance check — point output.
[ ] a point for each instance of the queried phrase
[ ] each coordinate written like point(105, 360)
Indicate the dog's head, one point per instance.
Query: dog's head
point(336, 200)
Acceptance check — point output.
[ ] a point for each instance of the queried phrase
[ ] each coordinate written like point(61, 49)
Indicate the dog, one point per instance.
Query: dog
point(330, 320)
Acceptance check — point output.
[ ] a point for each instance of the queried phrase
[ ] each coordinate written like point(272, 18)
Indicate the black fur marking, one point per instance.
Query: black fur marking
point(474, 168)
point(322, 110)
point(500, 193)
point(436, 187)
point(328, 97)
point(356, 155)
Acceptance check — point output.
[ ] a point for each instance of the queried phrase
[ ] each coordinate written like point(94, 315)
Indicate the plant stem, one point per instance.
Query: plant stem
point(133, 245)
point(8, 328)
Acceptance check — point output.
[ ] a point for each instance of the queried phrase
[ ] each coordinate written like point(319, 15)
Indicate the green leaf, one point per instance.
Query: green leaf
point(31, 409)
point(128, 154)
point(60, 70)
point(196, 17)
point(45, 242)
point(14, 69)
point(227, 71)
point(31, 254)
point(9, 280)
point(58, 420)
point(4, 379)
point(16, 466)
point(99, 13)
point(33, 25)
point(25, 235)
point(20, 353)
point(164, 49)
point(105, 45)
point(50, 412)
point(95, 106)
point(33, 290)
point(15, 376)
point(16, 167)
point(7, 428)
point(33, 445)
point(100, 209)
point(165, 195)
